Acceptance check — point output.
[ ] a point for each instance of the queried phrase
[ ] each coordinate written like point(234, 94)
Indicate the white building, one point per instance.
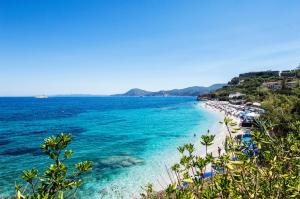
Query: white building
point(236, 95)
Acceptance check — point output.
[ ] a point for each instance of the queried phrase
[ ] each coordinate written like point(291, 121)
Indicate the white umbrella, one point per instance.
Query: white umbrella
point(256, 104)
point(252, 114)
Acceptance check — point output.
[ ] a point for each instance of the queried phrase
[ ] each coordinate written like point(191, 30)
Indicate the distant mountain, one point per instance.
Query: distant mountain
point(190, 91)
point(135, 92)
point(216, 86)
point(76, 95)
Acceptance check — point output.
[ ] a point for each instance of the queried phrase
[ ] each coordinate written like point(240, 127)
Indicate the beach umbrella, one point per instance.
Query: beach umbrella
point(242, 113)
point(256, 104)
point(252, 114)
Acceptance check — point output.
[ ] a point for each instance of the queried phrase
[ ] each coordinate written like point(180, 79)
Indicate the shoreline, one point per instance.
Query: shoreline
point(217, 129)
point(220, 130)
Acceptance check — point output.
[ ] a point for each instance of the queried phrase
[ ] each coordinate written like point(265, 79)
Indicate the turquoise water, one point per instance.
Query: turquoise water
point(130, 140)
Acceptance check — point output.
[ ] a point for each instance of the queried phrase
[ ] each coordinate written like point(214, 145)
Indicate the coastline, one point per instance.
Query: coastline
point(155, 169)
point(218, 129)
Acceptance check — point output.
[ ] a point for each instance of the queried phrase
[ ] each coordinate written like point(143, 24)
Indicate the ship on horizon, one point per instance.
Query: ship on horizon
point(41, 96)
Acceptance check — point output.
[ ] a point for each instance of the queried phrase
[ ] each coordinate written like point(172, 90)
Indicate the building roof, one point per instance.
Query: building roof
point(237, 94)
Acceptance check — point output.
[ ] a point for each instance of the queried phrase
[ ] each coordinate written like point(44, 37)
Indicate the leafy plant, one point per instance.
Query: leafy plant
point(56, 181)
point(207, 140)
point(267, 167)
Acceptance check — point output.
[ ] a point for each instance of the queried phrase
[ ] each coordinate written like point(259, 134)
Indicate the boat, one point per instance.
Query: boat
point(41, 96)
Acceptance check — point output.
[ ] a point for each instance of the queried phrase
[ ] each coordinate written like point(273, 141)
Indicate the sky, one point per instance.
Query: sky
point(109, 46)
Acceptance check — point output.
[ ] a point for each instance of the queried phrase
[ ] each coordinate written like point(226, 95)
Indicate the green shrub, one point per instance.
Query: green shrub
point(56, 181)
point(271, 172)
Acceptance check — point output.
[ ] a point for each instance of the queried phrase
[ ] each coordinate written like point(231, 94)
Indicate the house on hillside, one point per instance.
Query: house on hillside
point(236, 95)
point(291, 84)
point(274, 85)
point(277, 85)
point(237, 101)
point(288, 73)
point(236, 98)
point(241, 81)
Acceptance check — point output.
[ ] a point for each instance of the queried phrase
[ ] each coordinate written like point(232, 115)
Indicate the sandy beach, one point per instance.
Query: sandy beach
point(218, 129)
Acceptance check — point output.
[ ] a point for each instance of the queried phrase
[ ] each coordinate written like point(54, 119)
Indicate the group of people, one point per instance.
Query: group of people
point(237, 111)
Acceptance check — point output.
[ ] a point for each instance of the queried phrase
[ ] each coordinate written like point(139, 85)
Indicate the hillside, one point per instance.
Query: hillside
point(190, 91)
point(135, 92)
point(258, 85)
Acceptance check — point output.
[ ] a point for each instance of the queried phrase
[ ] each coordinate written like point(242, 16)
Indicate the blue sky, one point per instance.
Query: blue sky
point(104, 47)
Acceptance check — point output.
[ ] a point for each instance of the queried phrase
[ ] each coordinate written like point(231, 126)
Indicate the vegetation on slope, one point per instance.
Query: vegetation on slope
point(266, 167)
point(253, 87)
point(281, 110)
point(268, 170)
point(282, 106)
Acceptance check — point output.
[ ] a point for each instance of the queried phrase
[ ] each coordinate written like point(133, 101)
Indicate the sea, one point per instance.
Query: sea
point(132, 141)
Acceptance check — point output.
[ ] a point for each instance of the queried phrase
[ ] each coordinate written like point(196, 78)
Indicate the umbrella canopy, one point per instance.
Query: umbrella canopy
point(256, 104)
point(252, 114)
point(242, 113)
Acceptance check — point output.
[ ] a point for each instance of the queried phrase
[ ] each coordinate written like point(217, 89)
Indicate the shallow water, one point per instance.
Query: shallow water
point(130, 139)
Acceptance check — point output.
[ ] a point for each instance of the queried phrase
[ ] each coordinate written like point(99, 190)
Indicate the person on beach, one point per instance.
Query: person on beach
point(219, 151)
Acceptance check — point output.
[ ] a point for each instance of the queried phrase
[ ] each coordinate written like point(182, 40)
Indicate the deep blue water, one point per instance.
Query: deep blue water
point(129, 139)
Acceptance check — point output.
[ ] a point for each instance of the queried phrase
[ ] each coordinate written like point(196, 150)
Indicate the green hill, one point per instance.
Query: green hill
point(258, 85)
point(190, 91)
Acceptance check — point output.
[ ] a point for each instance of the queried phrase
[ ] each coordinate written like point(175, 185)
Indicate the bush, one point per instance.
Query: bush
point(55, 182)
point(268, 167)
point(281, 110)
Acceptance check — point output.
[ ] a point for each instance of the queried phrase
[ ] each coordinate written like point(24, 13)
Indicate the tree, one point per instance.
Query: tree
point(207, 140)
point(56, 182)
point(281, 110)
point(234, 81)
